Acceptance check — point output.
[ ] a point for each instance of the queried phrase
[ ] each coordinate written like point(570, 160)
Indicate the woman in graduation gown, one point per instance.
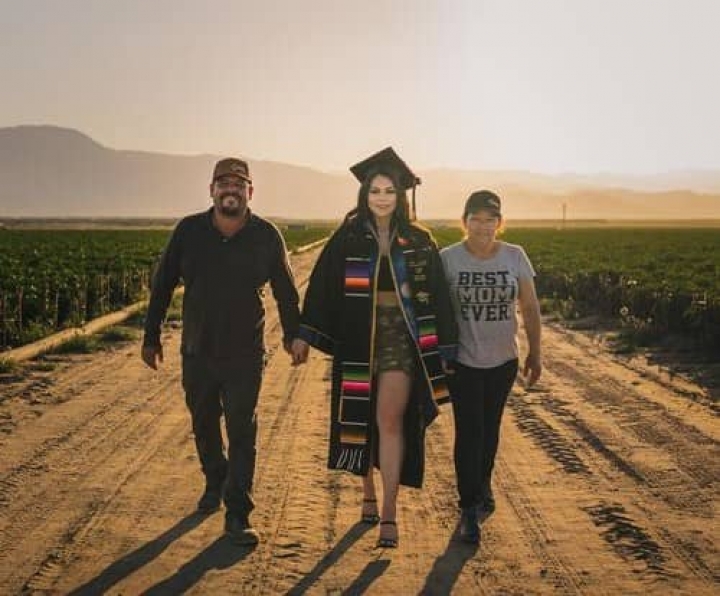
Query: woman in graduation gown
point(378, 303)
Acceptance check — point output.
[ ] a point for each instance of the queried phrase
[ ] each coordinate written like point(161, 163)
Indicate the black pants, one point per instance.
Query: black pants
point(225, 386)
point(478, 398)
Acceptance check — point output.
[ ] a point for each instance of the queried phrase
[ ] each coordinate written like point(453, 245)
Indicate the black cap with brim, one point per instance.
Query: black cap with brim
point(387, 160)
point(482, 200)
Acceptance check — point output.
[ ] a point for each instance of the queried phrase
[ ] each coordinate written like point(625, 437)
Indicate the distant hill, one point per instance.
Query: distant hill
point(47, 171)
point(50, 171)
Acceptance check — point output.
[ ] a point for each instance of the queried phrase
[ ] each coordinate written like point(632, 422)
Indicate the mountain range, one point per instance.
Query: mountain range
point(48, 171)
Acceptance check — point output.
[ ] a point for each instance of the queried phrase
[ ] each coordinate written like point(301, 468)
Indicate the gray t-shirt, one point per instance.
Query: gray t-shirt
point(484, 294)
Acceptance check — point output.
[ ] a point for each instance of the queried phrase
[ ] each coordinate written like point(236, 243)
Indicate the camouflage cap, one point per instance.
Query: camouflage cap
point(232, 166)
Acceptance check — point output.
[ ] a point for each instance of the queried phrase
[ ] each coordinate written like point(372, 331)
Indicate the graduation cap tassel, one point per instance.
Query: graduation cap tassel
point(414, 211)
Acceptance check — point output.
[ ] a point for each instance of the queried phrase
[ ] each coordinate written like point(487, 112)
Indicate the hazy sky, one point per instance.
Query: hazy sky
point(543, 85)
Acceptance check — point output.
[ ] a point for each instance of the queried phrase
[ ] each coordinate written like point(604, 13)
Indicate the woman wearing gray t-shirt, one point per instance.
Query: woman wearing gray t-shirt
point(488, 279)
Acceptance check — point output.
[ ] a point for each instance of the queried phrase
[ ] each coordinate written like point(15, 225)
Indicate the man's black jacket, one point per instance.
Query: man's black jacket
point(223, 312)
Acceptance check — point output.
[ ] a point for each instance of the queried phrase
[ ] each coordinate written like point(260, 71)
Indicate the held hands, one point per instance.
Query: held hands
point(298, 350)
point(152, 355)
point(532, 369)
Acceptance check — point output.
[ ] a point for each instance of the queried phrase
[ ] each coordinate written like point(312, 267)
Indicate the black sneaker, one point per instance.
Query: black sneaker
point(240, 531)
point(210, 500)
point(469, 528)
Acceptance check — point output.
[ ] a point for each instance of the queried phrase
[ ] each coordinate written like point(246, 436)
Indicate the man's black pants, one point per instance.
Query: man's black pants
point(227, 386)
point(478, 399)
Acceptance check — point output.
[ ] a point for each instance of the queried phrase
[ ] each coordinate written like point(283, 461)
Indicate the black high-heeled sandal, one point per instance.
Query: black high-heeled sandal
point(387, 542)
point(369, 518)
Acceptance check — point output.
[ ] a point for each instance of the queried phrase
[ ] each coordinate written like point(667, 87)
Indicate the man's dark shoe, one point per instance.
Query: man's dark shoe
point(240, 531)
point(210, 501)
point(469, 527)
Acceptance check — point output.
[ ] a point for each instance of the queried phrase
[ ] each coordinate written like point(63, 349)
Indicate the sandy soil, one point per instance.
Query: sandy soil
point(607, 483)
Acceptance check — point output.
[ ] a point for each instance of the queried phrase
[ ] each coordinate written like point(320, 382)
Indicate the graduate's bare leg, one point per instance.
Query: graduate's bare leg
point(392, 398)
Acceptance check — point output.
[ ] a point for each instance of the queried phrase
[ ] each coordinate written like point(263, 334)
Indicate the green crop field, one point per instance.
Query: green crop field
point(653, 281)
point(52, 279)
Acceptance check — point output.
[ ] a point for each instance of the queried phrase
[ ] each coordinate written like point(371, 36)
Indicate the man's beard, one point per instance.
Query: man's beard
point(230, 210)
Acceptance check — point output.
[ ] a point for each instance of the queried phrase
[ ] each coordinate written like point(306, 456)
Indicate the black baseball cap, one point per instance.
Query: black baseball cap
point(482, 200)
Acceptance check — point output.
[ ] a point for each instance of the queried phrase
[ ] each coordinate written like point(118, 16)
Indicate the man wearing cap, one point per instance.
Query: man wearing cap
point(224, 256)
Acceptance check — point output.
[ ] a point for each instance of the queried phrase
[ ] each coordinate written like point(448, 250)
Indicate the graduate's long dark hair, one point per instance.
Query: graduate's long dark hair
point(362, 214)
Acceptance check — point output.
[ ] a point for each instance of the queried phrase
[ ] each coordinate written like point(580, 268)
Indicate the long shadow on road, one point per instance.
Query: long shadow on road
point(372, 571)
point(221, 554)
point(351, 536)
point(447, 567)
point(137, 559)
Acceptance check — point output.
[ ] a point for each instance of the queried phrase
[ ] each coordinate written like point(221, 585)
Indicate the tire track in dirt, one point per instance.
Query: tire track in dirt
point(636, 366)
point(663, 484)
point(52, 496)
point(561, 573)
point(595, 526)
point(76, 537)
point(70, 377)
point(629, 540)
point(69, 437)
point(623, 532)
point(275, 482)
point(617, 526)
point(552, 442)
point(696, 454)
point(304, 521)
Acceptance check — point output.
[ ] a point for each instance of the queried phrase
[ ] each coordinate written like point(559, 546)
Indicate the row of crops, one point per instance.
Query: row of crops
point(53, 279)
point(654, 282)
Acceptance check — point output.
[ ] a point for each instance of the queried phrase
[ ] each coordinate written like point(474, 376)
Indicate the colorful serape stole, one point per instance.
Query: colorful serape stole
point(354, 414)
point(428, 342)
point(357, 277)
point(426, 329)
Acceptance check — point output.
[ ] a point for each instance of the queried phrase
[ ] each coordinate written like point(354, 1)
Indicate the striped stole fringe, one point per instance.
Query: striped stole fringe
point(354, 413)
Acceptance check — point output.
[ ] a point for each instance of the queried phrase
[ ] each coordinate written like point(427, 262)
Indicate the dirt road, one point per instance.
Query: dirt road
point(607, 483)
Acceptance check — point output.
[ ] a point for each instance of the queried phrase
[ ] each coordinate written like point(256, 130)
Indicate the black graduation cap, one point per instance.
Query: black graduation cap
point(387, 159)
